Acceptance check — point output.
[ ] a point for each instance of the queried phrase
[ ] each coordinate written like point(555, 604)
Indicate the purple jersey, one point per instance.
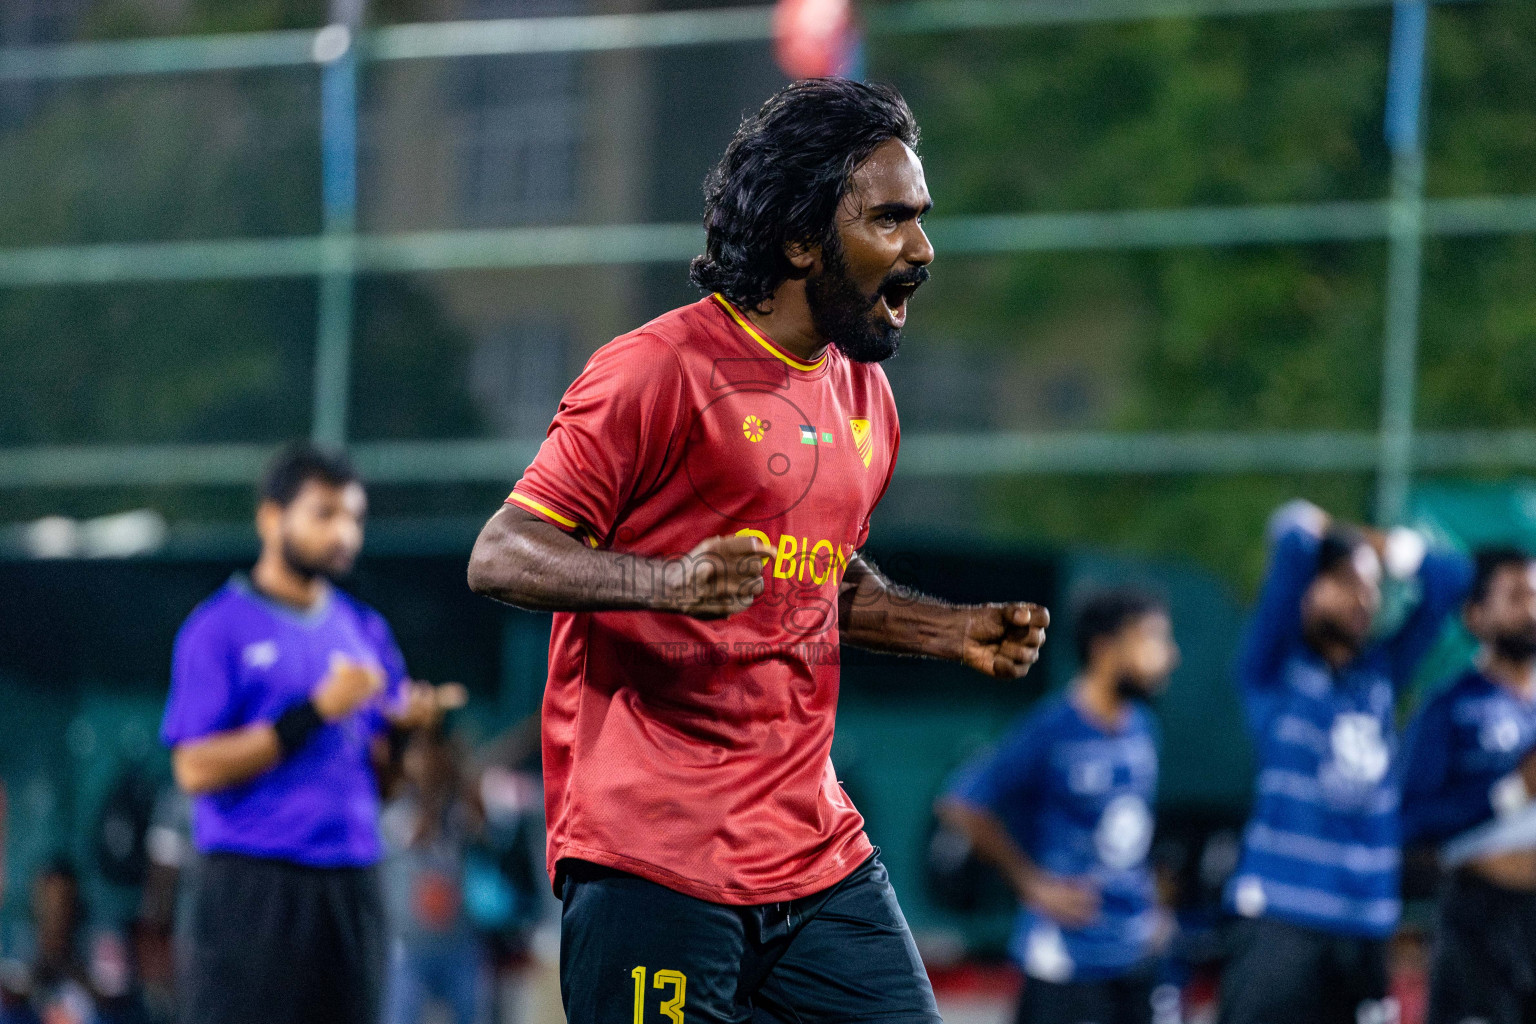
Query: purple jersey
point(241, 658)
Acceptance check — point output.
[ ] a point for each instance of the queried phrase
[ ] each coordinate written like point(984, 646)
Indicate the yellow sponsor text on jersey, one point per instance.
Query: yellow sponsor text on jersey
point(804, 560)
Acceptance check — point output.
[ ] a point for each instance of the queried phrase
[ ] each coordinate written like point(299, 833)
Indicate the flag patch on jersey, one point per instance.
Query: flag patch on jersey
point(863, 441)
point(807, 434)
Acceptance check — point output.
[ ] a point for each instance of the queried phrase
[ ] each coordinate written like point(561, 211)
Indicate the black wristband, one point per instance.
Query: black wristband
point(296, 725)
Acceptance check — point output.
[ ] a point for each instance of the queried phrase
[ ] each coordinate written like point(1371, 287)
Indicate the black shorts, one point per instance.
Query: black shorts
point(272, 942)
point(1484, 965)
point(1125, 1000)
point(635, 951)
point(1280, 973)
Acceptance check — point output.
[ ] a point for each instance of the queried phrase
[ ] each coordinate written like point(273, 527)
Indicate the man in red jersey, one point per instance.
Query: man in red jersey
point(694, 519)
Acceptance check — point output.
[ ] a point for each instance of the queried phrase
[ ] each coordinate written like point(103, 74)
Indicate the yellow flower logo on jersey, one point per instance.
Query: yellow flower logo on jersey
point(754, 428)
point(863, 441)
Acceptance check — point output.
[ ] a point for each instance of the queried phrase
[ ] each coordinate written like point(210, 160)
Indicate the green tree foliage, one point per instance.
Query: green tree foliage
point(1278, 108)
point(1222, 111)
point(165, 159)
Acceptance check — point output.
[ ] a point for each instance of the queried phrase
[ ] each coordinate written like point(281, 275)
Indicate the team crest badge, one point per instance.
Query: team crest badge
point(754, 427)
point(863, 442)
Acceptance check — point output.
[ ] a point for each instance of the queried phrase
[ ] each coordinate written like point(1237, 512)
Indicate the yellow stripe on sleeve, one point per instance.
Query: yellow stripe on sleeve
point(543, 510)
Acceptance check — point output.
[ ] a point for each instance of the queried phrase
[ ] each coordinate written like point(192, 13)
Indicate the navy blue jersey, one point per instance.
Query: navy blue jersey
point(1077, 799)
point(1322, 848)
point(1468, 737)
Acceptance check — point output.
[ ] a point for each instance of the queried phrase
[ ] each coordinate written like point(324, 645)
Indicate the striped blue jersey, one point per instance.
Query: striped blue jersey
point(1468, 737)
point(1078, 800)
point(1322, 847)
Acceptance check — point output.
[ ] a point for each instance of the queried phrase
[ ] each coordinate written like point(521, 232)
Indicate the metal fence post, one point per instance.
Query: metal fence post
point(1405, 234)
point(336, 49)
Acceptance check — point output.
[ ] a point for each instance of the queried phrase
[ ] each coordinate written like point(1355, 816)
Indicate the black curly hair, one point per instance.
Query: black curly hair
point(1104, 613)
point(1488, 562)
point(299, 462)
point(783, 176)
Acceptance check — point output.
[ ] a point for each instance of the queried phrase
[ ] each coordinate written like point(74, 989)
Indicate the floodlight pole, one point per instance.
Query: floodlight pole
point(1405, 253)
point(336, 50)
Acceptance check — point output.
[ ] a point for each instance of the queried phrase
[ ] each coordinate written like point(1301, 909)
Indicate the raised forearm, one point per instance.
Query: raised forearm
point(524, 561)
point(991, 842)
point(521, 560)
point(225, 759)
point(878, 615)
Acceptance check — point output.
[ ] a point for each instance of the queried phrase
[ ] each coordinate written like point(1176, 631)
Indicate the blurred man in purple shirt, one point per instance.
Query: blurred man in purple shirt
point(289, 700)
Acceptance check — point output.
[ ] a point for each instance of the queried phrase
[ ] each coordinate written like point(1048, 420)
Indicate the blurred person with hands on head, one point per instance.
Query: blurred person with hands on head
point(288, 711)
point(1316, 891)
point(1063, 809)
point(1468, 783)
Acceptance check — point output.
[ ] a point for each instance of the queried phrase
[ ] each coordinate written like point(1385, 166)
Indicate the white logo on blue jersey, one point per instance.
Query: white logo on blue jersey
point(1248, 896)
point(1359, 750)
point(1124, 834)
point(1500, 733)
point(262, 654)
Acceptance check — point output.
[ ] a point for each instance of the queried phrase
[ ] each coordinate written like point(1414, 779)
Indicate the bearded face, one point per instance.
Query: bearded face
point(864, 325)
point(873, 258)
point(1505, 618)
point(320, 532)
point(1340, 605)
point(1145, 655)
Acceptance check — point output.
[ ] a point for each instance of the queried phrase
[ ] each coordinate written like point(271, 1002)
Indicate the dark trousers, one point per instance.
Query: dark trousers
point(272, 942)
point(1281, 973)
point(1126, 1000)
point(634, 952)
point(1484, 964)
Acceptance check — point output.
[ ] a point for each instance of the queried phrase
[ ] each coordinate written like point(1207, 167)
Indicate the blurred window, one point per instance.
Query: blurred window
point(517, 126)
point(32, 22)
point(517, 374)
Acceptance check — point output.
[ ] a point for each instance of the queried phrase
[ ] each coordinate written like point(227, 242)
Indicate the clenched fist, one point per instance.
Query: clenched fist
point(424, 705)
point(1003, 640)
point(348, 686)
point(719, 577)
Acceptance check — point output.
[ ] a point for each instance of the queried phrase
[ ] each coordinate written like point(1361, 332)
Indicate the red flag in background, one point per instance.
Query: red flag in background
point(815, 38)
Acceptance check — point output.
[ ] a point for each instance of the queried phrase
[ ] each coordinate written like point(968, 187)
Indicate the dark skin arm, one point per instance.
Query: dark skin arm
point(1062, 899)
point(521, 560)
point(1000, 640)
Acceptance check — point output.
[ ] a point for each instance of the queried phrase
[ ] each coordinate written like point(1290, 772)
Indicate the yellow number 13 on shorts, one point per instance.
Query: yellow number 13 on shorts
point(671, 1008)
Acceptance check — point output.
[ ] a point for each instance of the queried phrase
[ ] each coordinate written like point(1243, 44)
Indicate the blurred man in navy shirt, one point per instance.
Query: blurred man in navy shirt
point(1318, 883)
point(1469, 781)
point(1063, 810)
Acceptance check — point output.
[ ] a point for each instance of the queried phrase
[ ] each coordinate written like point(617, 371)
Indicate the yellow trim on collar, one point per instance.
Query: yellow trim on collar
point(752, 332)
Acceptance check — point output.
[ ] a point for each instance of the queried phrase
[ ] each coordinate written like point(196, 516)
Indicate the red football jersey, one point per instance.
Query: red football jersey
point(697, 754)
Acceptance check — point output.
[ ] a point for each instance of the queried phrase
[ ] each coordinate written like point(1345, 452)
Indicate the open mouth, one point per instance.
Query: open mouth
point(893, 301)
